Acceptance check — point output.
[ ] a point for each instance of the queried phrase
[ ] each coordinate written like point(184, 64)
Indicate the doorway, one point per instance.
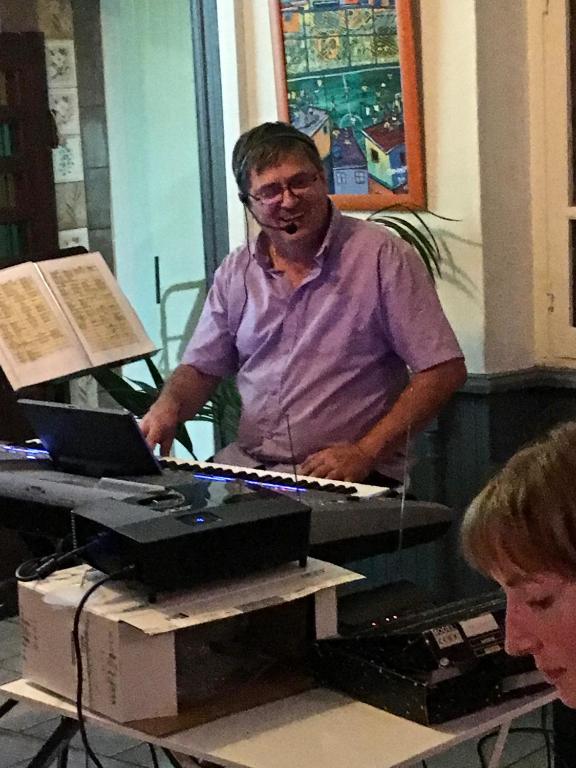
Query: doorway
point(156, 180)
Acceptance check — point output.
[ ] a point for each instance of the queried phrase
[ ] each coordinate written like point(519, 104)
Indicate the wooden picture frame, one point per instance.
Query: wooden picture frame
point(346, 75)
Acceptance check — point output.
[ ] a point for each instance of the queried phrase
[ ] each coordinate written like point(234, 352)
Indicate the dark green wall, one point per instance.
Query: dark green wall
point(485, 423)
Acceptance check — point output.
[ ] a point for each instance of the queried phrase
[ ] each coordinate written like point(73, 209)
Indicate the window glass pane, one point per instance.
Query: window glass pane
point(7, 191)
point(151, 114)
point(6, 140)
point(12, 241)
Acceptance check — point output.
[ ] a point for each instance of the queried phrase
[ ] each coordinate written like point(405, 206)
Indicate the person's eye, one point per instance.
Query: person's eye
point(542, 603)
point(304, 181)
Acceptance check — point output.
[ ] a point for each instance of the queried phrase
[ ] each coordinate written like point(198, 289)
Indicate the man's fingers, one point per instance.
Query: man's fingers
point(166, 447)
point(312, 466)
point(317, 466)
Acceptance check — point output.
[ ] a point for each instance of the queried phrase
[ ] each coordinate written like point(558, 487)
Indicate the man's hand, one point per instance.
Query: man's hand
point(342, 461)
point(183, 395)
point(159, 425)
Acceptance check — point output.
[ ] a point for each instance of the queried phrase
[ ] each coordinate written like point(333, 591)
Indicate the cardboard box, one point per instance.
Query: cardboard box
point(212, 650)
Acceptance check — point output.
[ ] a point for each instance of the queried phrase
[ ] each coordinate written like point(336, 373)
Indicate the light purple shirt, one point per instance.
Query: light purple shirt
point(325, 360)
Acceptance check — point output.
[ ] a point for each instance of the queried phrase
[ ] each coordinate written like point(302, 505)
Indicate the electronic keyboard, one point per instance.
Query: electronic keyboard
point(270, 478)
point(348, 520)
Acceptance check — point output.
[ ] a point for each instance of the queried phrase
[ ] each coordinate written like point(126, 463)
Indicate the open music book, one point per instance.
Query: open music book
point(64, 316)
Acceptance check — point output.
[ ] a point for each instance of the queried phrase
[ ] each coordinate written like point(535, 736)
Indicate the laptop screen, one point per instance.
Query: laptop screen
point(98, 442)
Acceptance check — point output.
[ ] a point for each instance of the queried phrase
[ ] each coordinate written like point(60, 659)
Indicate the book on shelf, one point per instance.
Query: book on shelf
point(63, 317)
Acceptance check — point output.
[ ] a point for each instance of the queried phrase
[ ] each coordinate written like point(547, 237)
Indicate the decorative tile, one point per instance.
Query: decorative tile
point(71, 238)
point(55, 18)
point(71, 205)
point(60, 63)
point(67, 160)
point(64, 107)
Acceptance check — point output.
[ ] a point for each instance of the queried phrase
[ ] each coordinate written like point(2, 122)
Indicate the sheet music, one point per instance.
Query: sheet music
point(93, 307)
point(29, 327)
point(107, 326)
point(37, 343)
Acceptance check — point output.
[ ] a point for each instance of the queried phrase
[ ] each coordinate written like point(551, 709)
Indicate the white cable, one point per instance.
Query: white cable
point(405, 481)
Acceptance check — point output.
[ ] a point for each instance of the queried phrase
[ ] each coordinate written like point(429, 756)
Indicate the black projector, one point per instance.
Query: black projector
point(195, 532)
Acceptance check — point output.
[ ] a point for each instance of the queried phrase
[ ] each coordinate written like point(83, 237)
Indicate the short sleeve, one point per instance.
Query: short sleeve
point(413, 318)
point(212, 348)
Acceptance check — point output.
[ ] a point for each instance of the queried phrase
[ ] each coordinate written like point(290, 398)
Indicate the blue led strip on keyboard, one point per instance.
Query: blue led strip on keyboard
point(28, 453)
point(260, 484)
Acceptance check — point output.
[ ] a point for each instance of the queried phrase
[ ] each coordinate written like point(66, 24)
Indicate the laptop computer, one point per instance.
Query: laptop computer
point(98, 442)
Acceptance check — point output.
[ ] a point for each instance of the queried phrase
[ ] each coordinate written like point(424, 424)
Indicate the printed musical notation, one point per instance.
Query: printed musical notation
point(28, 326)
point(94, 308)
point(64, 316)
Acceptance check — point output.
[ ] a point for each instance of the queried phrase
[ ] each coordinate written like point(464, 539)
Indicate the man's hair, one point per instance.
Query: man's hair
point(264, 146)
point(525, 518)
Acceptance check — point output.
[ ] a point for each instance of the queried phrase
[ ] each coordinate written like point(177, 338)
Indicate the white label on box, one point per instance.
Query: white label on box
point(447, 636)
point(479, 625)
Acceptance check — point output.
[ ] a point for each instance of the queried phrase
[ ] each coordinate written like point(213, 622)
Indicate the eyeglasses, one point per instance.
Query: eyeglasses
point(271, 194)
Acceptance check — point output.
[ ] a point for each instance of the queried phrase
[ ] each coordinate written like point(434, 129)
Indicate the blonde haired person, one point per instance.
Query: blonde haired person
point(521, 531)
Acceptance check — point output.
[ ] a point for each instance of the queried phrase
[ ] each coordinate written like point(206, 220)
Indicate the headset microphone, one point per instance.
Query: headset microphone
point(291, 228)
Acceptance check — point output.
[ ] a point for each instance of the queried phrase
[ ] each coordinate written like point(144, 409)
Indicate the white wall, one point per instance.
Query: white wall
point(504, 131)
point(452, 162)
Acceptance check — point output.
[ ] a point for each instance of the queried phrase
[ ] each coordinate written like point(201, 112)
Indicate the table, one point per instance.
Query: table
point(317, 729)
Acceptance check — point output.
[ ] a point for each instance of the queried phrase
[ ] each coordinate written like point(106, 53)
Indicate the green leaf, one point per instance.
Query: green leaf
point(425, 244)
point(133, 400)
point(149, 388)
point(138, 396)
point(154, 373)
point(184, 439)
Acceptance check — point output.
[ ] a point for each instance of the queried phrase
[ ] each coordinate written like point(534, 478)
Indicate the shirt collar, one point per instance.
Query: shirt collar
point(262, 244)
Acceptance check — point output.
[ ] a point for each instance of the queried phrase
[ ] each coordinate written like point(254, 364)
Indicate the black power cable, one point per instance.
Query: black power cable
point(78, 652)
point(154, 756)
point(41, 567)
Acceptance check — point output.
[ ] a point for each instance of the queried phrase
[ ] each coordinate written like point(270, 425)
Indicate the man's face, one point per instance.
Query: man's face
point(541, 621)
point(294, 192)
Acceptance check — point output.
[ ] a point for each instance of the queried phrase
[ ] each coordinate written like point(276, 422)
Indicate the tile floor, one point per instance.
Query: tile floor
point(24, 729)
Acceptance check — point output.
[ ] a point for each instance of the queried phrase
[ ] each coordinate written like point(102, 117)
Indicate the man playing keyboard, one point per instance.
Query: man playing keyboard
point(331, 325)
